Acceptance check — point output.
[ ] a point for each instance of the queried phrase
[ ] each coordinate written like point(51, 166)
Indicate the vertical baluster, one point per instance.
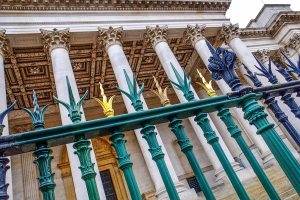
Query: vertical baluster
point(273, 105)
point(3, 160)
point(186, 147)
point(183, 84)
point(149, 134)
point(42, 152)
point(82, 145)
point(118, 142)
point(236, 133)
point(222, 66)
point(285, 97)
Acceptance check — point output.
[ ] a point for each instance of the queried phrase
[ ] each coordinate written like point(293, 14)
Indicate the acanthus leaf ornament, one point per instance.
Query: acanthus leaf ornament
point(72, 107)
point(4, 113)
point(134, 93)
point(295, 68)
point(161, 93)
point(252, 76)
point(37, 115)
point(207, 86)
point(266, 72)
point(183, 84)
point(106, 105)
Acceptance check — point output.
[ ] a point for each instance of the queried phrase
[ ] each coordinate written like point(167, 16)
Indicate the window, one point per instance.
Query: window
point(108, 185)
point(192, 181)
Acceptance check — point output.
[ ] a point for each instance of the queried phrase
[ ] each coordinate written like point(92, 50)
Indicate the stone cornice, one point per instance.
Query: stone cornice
point(271, 31)
point(73, 5)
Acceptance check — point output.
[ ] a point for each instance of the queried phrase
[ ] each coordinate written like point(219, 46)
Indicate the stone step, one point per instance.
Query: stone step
point(256, 190)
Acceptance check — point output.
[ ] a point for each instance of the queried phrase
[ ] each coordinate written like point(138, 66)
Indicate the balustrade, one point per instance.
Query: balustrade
point(40, 140)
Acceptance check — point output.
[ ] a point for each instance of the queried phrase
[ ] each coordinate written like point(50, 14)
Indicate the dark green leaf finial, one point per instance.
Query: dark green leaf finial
point(37, 115)
point(4, 113)
point(134, 93)
point(184, 84)
point(73, 108)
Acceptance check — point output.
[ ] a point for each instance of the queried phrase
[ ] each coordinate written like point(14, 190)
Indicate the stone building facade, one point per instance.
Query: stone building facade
point(92, 41)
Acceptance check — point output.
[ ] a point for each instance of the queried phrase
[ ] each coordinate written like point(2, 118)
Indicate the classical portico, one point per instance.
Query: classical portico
point(95, 42)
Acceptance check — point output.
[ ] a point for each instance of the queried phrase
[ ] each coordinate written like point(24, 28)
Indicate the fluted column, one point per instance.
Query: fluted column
point(111, 40)
point(230, 34)
point(29, 172)
point(56, 42)
point(195, 35)
point(157, 37)
point(4, 51)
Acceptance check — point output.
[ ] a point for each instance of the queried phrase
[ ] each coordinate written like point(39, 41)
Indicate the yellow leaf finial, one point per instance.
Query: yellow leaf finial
point(162, 94)
point(106, 105)
point(206, 86)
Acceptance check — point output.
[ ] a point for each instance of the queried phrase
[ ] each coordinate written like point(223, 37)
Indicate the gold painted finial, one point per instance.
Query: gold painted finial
point(106, 105)
point(206, 86)
point(162, 94)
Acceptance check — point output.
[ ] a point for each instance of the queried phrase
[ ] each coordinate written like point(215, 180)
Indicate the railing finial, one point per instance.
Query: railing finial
point(106, 105)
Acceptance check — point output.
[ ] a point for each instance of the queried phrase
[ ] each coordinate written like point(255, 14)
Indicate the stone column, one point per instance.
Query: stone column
point(56, 42)
point(230, 34)
point(29, 172)
point(194, 34)
point(4, 50)
point(157, 37)
point(111, 39)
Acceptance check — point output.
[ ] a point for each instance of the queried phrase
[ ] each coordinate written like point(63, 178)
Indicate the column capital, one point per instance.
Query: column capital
point(194, 34)
point(56, 39)
point(155, 35)
point(294, 41)
point(229, 32)
point(263, 55)
point(3, 43)
point(110, 36)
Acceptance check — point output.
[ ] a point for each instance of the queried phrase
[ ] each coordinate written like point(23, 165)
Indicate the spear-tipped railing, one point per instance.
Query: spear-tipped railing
point(118, 142)
point(285, 97)
point(183, 84)
point(42, 154)
point(184, 142)
point(149, 134)
point(3, 160)
point(275, 108)
point(236, 134)
point(222, 67)
point(81, 145)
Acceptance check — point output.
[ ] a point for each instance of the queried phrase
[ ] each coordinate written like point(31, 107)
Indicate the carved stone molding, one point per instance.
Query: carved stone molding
point(56, 39)
point(229, 32)
point(115, 5)
point(194, 33)
point(155, 35)
point(110, 36)
point(294, 41)
point(263, 55)
point(3, 43)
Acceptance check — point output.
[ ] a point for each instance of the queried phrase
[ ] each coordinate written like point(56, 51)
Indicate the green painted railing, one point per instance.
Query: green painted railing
point(40, 140)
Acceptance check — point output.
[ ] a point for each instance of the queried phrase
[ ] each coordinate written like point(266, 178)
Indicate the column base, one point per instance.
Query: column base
point(242, 173)
point(184, 193)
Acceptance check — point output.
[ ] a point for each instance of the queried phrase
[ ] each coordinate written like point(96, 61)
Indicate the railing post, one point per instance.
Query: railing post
point(183, 84)
point(286, 97)
point(236, 133)
point(118, 142)
point(273, 105)
point(185, 145)
point(42, 153)
point(149, 134)
point(222, 66)
point(82, 145)
point(3, 160)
